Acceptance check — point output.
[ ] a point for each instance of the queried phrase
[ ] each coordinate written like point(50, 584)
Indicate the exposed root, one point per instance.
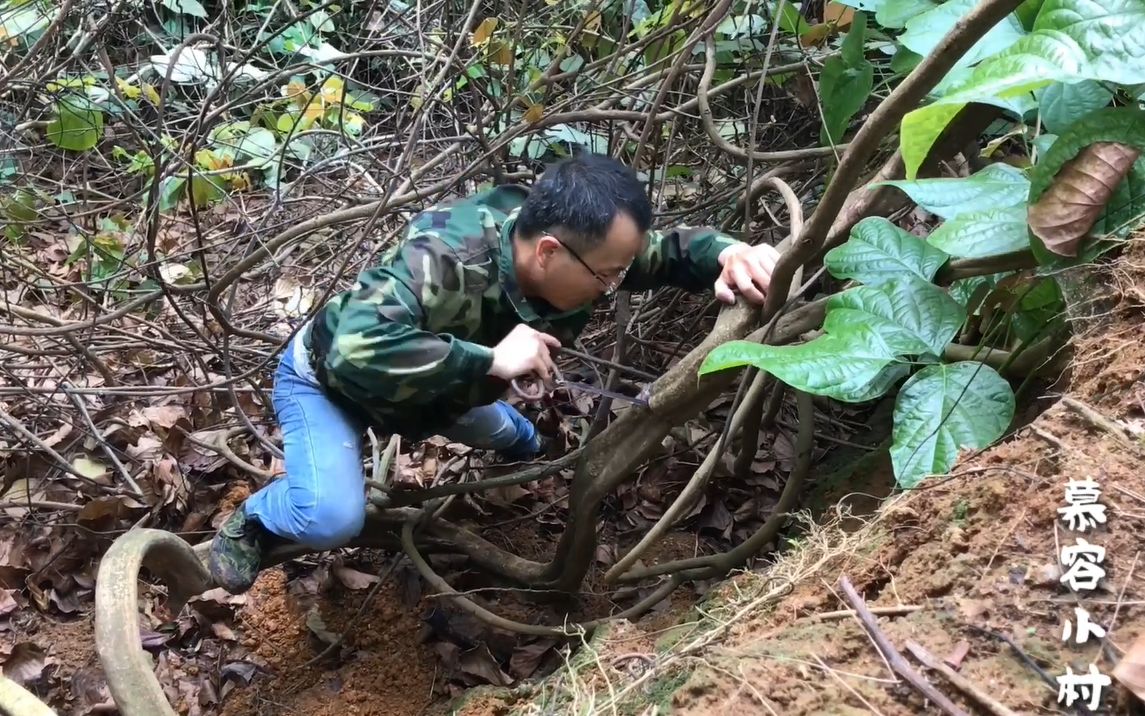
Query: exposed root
point(130, 673)
point(15, 700)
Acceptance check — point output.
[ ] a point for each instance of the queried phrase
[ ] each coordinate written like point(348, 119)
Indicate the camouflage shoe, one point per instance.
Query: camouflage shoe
point(236, 552)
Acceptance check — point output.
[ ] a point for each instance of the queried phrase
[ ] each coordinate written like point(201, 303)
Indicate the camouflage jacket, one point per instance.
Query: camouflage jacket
point(408, 346)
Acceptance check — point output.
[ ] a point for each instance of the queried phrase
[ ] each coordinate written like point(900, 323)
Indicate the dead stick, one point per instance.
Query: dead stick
point(1099, 421)
point(930, 661)
point(894, 658)
point(880, 611)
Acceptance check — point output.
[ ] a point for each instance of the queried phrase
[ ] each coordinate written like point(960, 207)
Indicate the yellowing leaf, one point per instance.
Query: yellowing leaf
point(501, 53)
point(592, 22)
point(129, 91)
point(815, 35)
point(333, 90)
point(297, 93)
point(151, 93)
point(483, 32)
point(89, 468)
point(839, 15)
point(534, 113)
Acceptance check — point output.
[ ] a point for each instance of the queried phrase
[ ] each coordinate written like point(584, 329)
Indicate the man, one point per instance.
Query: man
point(480, 292)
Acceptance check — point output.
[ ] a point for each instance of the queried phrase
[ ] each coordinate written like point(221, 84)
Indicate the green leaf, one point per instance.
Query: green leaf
point(1038, 307)
point(878, 251)
point(206, 190)
point(964, 290)
point(895, 13)
point(845, 83)
point(78, 124)
point(943, 409)
point(1108, 31)
point(1062, 104)
point(260, 145)
point(838, 366)
point(18, 19)
point(996, 186)
point(978, 234)
point(879, 385)
point(1125, 125)
point(924, 31)
point(185, 7)
point(1028, 11)
point(912, 316)
point(170, 192)
point(1072, 40)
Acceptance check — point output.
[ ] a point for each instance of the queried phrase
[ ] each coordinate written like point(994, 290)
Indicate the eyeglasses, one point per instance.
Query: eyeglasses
point(609, 286)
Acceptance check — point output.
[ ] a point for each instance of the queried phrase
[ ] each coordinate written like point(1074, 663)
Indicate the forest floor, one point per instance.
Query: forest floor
point(967, 566)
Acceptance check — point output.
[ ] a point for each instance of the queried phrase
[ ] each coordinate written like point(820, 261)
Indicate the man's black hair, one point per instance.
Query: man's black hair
point(578, 197)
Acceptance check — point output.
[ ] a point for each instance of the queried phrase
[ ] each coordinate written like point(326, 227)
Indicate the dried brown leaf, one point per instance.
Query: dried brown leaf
point(165, 416)
point(318, 628)
point(91, 693)
point(479, 663)
point(1066, 212)
point(526, 659)
point(8, 603)
point(26, 663)
point(353, 579)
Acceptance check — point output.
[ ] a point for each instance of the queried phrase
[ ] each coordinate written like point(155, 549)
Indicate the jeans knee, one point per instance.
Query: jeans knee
point(334, 522)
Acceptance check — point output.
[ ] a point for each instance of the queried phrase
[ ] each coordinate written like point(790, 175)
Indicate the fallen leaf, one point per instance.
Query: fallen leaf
point(223, 631)
point(165, 416)
point(526, 659)
point(89, 468)
point(91, 693)
point(318, 628)
point(242, 671)
point(108, 509)
point(1067, 210)
point(353, 579)
point(8, 603)
point(480, 663)
point(26, 663)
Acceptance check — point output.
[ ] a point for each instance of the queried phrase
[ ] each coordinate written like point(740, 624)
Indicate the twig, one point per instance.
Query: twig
point(17, 427)
point(894, 658)
point(107, 450)
point(879, 611)
point(1099, 421)
point(958, 680)
point(1026, 658)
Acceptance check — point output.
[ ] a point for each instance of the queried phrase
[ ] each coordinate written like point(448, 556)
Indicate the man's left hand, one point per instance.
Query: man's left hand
point(746, 269)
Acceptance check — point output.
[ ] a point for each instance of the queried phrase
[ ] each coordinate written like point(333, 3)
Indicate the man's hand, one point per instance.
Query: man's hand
point(522, 352)
point(746, 269)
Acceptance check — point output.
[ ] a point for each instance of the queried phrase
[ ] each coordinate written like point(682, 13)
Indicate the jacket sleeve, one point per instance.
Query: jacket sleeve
point(685, 257)
point(391, 343)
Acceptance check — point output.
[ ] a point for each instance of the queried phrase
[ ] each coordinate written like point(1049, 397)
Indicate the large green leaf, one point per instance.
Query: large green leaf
point(924, 31)
point(1062, 104)
point(78, 124)
point(845, 83)
point(895, 13)
point(1072, 40)
point(878, 251)
point(945, 408)
point(1125, 125)
point(912, 316)
point(978, 234)
point(838, 366)
point(1108, 31)
point(996, 186)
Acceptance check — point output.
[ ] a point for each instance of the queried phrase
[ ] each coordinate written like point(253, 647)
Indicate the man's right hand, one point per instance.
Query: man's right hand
point(524, 351)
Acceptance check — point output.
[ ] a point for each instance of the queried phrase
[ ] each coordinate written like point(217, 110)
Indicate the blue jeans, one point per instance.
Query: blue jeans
point(321, 502)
